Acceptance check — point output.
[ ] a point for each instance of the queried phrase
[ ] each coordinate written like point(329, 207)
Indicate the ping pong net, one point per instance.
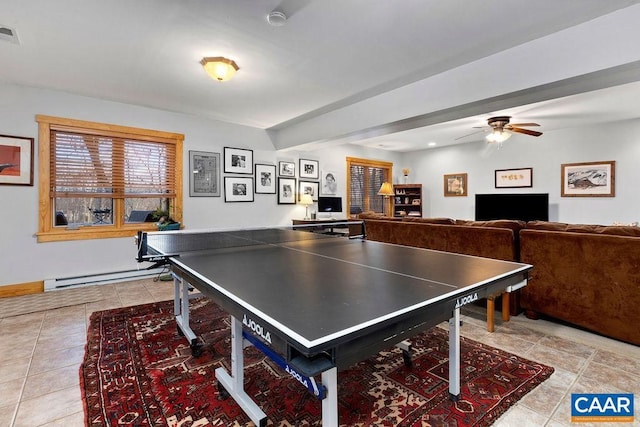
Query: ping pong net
point(158, 246)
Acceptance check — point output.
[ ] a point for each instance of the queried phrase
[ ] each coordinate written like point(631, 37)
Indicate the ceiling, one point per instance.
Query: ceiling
point(318, 78)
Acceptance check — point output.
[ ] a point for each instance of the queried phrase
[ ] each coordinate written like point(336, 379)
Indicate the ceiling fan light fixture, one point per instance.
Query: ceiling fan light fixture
point(219, 68)
point(498, 135)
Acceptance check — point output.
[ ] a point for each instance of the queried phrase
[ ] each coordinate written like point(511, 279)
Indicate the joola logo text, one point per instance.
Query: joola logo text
point(466, 300)
point(301, 379)
point(256, 328)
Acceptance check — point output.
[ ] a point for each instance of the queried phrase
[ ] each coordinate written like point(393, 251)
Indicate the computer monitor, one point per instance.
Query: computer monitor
point(329, 204)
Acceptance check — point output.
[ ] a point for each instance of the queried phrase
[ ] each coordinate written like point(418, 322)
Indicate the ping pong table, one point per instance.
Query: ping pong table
point(316, 304)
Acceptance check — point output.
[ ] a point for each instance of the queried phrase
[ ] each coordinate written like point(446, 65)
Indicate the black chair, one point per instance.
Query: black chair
point(61, 219)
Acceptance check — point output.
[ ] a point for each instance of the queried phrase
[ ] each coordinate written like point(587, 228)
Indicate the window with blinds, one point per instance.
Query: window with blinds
point(88, 165)
point(109, 177)
point(365, 178)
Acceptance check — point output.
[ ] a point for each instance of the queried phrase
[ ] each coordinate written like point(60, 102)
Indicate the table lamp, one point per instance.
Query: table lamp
point(306, 200)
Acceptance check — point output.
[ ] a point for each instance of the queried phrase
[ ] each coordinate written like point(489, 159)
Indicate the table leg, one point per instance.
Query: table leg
point(181, 312)
point(454, 355)
point(234, 383)
point(330, 402)
point(506, 310)
point(491, 310)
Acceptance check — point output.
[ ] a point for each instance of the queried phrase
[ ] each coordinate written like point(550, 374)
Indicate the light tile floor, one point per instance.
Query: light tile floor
point(40, 354)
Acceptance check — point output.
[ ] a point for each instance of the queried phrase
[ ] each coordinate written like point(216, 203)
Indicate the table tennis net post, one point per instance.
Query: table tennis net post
point(172, 243)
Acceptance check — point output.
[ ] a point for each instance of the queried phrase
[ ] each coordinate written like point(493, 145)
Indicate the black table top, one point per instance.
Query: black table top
point(317, 290)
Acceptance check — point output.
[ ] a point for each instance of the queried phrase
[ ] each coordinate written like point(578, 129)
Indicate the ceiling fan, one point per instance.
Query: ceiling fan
point(501, 129)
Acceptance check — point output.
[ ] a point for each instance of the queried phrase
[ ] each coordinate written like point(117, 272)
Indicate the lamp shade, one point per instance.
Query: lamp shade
point(386, 190)
point(306, 199)
point(219, 68)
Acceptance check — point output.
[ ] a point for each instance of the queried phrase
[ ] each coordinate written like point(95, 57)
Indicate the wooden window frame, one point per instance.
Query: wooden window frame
point(47, 232)
point(368, 163)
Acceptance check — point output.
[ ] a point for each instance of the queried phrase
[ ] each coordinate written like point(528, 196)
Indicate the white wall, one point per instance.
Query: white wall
point(22, 259)
point(619, 142)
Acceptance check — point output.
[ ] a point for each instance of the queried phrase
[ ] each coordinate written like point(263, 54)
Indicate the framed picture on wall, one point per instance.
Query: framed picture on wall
point(455, 185)
point(591, 179)
point(265, 179)
point(287, 169)
point(238, 160)
point(514, 178)
point(238, 189)
point(309, 169)
point(16, 160)
point(286, 191)
point(329, 183)
point(308, 187)
point(204, 174)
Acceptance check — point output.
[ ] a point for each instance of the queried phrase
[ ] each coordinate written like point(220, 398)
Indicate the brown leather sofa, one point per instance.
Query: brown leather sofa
point(586, 275)
point(490, 239)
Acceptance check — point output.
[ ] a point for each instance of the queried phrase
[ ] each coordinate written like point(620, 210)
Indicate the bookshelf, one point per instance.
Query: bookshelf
point(407, 200)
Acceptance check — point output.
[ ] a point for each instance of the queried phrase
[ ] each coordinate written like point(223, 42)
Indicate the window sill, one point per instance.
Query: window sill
point(61, 234)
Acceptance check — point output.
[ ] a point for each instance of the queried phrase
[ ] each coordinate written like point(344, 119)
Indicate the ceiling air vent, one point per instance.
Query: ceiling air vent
point(8, 34)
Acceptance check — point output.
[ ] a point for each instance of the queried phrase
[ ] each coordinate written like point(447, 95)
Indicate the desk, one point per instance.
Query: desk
point(346, 226)
point(316, 303)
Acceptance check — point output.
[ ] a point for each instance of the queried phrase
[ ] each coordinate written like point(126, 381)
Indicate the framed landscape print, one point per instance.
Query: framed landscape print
point(238, 189)
point(204, 174)
point(265, 179)
point(238, 160)
point(455, 185)
point(308, 187)
point(16, 160)
point(514, 178)
point(591, 179)
point(286, 191)
point(309, 169)
point(287, 169)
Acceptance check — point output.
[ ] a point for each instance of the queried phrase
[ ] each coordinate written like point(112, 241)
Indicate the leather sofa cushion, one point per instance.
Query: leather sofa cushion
point(549, 226)
point(511, 224)
point(614, 230)
point(430, 220)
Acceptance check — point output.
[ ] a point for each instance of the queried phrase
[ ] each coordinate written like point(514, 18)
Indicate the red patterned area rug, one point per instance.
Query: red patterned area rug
point(138, 371)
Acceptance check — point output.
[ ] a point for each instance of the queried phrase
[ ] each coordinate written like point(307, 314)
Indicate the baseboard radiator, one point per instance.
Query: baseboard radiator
point(101, 279)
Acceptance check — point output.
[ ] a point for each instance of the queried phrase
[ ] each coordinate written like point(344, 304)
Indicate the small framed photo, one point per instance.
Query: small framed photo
point(238, 160)
point(265, 179)
point(238, 189)
point(308, 187)
point(455, 185)
point(329, 183)
point(286, 191)
point(514, 178)
point(592, 179)
point(287, 169)
point(16, 160)
point(309, 169)
point(204, 174)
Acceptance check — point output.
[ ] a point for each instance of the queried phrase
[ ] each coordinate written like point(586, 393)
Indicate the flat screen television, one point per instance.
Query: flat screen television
point(525, 206)
point(329, 204)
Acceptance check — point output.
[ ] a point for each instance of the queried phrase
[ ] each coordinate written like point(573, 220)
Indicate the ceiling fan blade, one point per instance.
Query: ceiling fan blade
point(525, 131)
point(523, 124)
point(473, 133)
